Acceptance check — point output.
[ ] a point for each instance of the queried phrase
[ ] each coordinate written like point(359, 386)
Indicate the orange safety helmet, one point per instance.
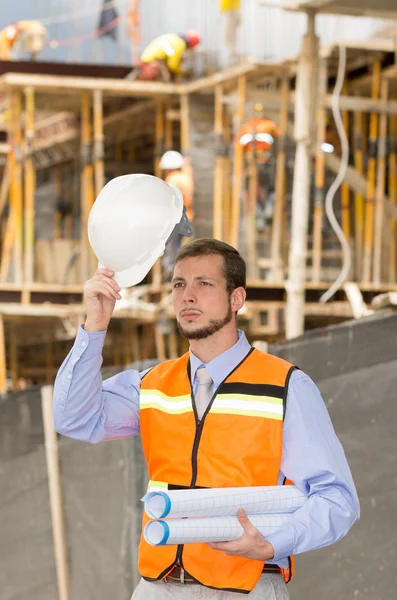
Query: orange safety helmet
point(259, 133)
point(193, 38)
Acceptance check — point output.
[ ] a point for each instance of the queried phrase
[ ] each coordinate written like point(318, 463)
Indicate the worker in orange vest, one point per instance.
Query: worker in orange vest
point(222, 415)
point(177, 171)
point(30, 33)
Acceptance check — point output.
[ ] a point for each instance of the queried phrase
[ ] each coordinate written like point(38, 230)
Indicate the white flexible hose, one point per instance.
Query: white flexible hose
point(329, 199)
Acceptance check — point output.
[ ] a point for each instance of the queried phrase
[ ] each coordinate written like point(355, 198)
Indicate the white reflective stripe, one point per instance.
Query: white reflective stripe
point(248, 397)
point(246, 406)
point(154, 392)
point(170, 405)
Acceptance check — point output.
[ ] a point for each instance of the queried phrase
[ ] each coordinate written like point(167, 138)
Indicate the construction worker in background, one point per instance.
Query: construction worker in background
point(30, 34)
point(177, 171)
point(258, 136)
point(162, 58)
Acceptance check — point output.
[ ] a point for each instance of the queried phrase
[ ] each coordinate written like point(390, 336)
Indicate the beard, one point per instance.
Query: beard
point(205, 331)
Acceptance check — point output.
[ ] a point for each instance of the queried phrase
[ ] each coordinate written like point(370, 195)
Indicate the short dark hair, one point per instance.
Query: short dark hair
point(234, 268)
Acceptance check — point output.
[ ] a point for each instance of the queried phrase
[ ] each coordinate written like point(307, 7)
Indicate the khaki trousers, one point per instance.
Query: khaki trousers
point(269, 587)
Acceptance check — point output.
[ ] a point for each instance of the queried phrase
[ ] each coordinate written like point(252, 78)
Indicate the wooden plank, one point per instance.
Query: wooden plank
point(318, 216)
point(218, 215)
point(358, 197)
point(30, 186)
point(281, 187)
point(60, 84)
point(56, 500)
point(237, 167)
point(99, 150)
point(379, 238)
point(393, 198)
point(371, 179)
point(252, 266)
point(3, 367)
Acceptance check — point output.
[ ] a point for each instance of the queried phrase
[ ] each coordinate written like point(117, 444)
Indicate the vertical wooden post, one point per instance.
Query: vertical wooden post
point(277, 272)
point(58, 233)
point(393, 197)
point(227, 174)
point(251, 218)
point(371, 178)
point(87, 191)
point(379, 239)
point(49, 359)
point(218, 216)
point(3, 365)
point(237, 165)
point(98, 142)
point(345, 191)
point(13, 358)
point(185, 119)
point(358, 198)
point(55, 490)
point(320, 175)
point(9, 235)
point(16, 116)
point(30, 185)
point(304, 109)
point(118, 157)
point(168, 134)
point(69, 201)
point(18, 248)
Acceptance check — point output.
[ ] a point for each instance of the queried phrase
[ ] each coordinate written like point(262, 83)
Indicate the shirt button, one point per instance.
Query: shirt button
point(84, 344)
point(69, 376)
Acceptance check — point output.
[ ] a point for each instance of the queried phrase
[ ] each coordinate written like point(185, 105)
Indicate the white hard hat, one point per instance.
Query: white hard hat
point(172, 160)
point(130, 223)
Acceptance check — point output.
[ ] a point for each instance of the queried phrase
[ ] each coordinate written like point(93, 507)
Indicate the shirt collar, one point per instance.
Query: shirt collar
point(220, 367)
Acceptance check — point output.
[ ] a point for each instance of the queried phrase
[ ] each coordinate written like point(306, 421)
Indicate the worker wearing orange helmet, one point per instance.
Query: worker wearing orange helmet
point(258, 136)
point(162, 58)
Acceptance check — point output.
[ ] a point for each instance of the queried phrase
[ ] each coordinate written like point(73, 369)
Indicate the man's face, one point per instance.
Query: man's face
point(201, 302)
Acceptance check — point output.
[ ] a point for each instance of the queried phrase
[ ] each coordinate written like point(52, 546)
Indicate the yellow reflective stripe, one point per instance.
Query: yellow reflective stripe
point(157, 485)
point(246, 397)
point(172, 405)
point(168, 398)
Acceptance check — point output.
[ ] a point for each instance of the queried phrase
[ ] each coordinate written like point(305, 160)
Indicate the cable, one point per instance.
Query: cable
point(329, 199)
point(83, 38)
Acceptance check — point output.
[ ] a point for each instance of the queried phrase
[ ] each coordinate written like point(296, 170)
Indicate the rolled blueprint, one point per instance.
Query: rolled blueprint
point(211, 529)
point(223, 502)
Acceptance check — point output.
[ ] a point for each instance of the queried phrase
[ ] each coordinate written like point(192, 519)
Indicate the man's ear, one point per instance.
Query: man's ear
point(237, 298)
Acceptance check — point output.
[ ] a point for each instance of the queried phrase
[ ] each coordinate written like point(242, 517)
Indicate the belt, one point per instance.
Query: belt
point(179, 575)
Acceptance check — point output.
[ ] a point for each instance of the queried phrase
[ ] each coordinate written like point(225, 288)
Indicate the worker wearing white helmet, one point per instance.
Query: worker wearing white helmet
point(177, 171)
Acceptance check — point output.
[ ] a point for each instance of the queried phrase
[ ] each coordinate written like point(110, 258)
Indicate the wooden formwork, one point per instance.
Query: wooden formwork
point(84, 130)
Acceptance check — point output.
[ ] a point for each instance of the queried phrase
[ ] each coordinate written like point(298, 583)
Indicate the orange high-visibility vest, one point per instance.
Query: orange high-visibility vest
point(238, 442)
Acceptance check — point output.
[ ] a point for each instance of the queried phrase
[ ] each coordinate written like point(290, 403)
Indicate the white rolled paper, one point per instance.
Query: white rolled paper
point(223, 502)
point(211, 529)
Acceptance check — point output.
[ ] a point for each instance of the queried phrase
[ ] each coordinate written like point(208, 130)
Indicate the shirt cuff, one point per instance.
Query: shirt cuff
point(282, 541)
point(89, 342)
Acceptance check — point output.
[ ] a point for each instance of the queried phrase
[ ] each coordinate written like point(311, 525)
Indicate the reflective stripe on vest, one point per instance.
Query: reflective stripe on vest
point(232, 404)
point(238, 442)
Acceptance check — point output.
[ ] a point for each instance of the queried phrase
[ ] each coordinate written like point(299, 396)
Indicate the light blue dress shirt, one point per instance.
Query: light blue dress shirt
point(85, 408)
